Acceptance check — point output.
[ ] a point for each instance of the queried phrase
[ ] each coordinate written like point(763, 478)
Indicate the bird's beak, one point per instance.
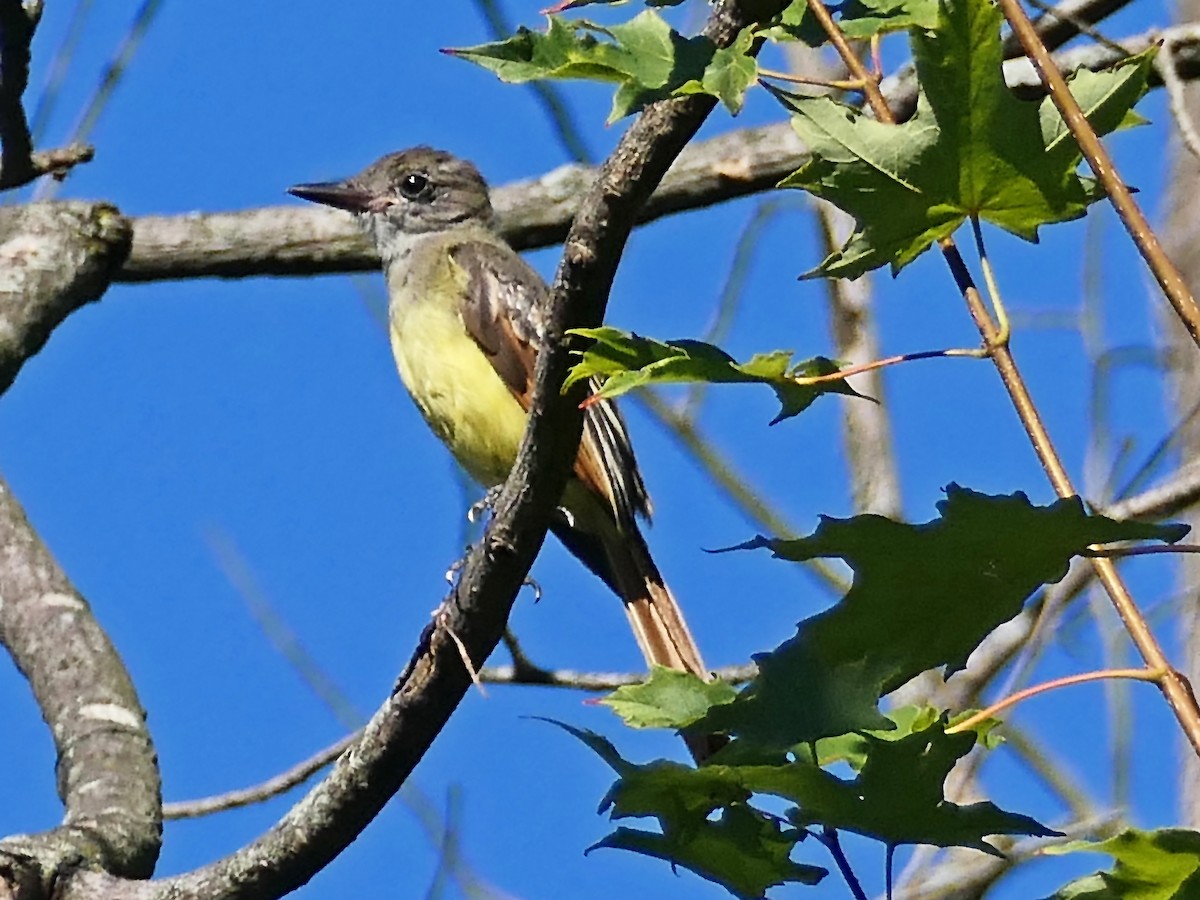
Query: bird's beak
point(334, 193)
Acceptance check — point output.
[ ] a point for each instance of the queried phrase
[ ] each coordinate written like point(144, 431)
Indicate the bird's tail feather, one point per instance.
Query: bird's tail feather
point(658, 623)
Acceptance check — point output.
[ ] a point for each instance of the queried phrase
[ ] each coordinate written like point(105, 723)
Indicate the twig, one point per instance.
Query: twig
point(56, 72)
point(1066, 681)
point(1148, 550)
point(19, 164)
point(829, 837)
point(1063, 13)
point(1160, 265)
point(259, 793)
point(1061, 23)
point(116, 68)
point(527, 673)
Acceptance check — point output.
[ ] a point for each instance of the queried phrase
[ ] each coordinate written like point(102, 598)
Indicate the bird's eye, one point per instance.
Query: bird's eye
point(414, 184)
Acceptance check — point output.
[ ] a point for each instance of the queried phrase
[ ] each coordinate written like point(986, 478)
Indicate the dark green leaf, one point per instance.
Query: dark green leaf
point(923, 596)
point(621, 361)
point(599, 744)
point(898, 797)
point(743, 850)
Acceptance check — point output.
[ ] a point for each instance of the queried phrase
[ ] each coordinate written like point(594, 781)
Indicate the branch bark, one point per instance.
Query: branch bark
point(107, 771)
point(53, 259)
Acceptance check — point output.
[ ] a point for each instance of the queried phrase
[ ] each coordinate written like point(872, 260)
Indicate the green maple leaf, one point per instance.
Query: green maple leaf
point(743, 850)
point(621, 361)
point(668, 699)
point(858, 19)
point(923, 596)
point(971, 149)
point(1150, 865)
point(646, 58)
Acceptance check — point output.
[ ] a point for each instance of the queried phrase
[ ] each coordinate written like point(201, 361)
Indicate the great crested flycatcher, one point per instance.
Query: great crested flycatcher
point(466, 319)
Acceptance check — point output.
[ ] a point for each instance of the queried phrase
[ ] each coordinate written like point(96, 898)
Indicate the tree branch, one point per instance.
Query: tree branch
point(107, 771)
point(295, 240)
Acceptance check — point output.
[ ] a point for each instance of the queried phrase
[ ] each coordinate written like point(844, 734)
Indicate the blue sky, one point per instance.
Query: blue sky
point(173, 425)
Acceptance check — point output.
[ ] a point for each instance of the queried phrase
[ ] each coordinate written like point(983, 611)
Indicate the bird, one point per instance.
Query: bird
point(466, 321)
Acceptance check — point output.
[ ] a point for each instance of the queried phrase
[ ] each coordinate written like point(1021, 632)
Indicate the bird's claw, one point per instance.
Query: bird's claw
point(486, 503)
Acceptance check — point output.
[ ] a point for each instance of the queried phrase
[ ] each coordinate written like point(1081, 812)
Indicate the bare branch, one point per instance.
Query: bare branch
point(259, 793)
point(107, 772)
point(866, 427)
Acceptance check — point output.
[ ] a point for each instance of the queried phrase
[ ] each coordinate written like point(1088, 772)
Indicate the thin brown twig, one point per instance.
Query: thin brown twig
point(868, 83)
point(876, 364)
point(792, 78)
point(1118, 552)
point(19, 163)
point(1164, 270)
point(1155, 675)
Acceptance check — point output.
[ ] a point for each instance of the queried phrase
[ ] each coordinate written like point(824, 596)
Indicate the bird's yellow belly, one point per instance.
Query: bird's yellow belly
point(458, 392)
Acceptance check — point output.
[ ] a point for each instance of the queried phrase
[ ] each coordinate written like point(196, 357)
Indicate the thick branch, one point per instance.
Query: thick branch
point(54, 258)
point(107, 771)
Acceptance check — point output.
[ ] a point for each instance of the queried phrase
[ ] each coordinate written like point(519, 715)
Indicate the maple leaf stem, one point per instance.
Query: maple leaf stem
point(1144, 674)
point(1003, 326)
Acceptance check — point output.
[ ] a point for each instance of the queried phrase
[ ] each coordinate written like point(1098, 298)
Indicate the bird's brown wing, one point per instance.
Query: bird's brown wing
point(503, 309)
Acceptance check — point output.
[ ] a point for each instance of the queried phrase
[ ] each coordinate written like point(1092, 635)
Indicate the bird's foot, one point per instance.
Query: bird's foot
point(457, 566)
point(486, 503)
